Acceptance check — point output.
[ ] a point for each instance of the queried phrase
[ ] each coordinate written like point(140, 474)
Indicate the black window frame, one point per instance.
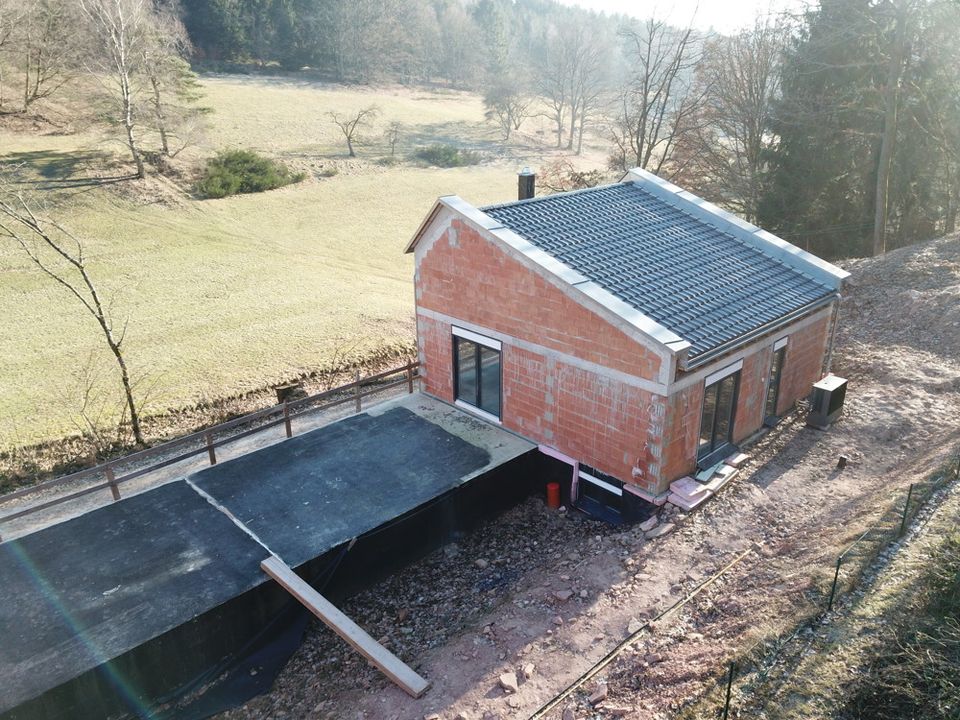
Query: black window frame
point(478, 369)
point(714, 451)
point(771, 417)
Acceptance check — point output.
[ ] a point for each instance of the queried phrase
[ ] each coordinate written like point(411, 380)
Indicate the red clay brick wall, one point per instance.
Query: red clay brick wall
point(753, 388)
point(606, 423)
point(802, 365)
point(803, 362)
point(681, 433)
point(471, 279)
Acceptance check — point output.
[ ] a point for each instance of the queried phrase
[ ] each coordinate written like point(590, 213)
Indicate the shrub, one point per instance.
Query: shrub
point(448, 156)
point(243, 171)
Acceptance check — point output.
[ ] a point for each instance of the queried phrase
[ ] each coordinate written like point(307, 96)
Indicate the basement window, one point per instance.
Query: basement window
point(476, 372)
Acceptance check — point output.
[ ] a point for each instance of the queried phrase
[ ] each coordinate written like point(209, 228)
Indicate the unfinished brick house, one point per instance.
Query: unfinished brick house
point(633, 330)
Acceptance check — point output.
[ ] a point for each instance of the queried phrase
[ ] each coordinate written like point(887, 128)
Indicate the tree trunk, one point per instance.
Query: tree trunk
point(129, 124)
point(889, 138)
point(580, 136)
point(161, 120)
point(127, 386)
point(573, 126)
point(350, 147)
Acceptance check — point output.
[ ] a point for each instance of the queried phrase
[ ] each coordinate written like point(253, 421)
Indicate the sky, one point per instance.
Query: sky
point(725, 16)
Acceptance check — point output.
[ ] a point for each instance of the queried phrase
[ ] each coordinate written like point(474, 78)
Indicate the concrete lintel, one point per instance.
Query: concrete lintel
point(652, 386)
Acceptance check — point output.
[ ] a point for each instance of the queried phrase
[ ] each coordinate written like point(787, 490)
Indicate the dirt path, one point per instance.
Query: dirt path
point(557, 593)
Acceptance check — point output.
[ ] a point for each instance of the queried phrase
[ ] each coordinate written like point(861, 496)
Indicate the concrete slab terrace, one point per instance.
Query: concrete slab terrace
point(98, 605)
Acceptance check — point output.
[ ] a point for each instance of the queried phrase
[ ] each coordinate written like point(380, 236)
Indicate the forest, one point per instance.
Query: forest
point(838, 129)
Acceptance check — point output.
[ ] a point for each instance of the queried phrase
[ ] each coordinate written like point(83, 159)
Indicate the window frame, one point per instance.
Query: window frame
point(780, 346)
point(480, 342)
point(712, 382)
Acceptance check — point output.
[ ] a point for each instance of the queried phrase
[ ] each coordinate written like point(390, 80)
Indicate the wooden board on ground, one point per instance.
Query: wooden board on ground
point(388, 663)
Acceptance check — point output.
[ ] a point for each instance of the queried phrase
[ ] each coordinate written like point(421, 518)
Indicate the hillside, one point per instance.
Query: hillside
point(225, 297)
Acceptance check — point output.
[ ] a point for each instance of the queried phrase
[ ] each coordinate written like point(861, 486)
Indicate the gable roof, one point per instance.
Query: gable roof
point(687, 266)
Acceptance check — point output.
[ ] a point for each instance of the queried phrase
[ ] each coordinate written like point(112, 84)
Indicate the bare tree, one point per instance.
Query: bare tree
point(59, 254)
point(725, 155)
point(173, 87)
point(42, 40)
point(350, 124)
point(658, 101)
point(553, 75)
point(119, 32)
point(507, 102)
point(392, 135)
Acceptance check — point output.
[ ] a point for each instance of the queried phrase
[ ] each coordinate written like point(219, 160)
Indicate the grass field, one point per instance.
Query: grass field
point(224, 296)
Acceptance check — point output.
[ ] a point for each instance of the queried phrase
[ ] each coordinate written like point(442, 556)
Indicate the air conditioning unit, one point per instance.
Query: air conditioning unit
point(827, 401)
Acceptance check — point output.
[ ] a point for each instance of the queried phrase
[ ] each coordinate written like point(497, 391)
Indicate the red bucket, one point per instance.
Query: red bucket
point(553, 495)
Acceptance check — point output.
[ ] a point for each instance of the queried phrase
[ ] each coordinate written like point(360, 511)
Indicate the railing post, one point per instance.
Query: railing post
point(112, 480)
point(906, 511)
point(210, 449)
point(833, 589)
point(410, 378)
point(357, 388)
point(726, 703)
point(286, 419)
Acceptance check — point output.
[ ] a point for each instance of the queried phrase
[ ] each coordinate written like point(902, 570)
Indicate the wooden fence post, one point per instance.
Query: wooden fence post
point(726, 702)
point(833, 588)
point(906, 511)
point(357, 388)
point(210, 449)
point(112, 480)
point(410, 378)
point(286, 419)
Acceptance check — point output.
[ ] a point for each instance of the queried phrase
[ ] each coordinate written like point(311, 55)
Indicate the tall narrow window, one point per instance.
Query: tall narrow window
point(773, 382)
point(718, 415)
point(477, 371)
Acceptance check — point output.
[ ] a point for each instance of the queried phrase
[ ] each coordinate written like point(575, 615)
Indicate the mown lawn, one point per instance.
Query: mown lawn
point(224, 296)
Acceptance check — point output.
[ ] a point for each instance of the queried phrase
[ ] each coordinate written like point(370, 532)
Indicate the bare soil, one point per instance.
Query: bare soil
point(463, 625)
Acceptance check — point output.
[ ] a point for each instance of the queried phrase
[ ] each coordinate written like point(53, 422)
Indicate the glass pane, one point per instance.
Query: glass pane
point(490, 381)
point(707, 418)
point(466, 371)
point(725, 393)
point(773, 386)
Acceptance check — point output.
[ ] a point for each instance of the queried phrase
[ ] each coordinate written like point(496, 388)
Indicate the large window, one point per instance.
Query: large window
point(773, 382)
point(719, 411)
point(476, 371)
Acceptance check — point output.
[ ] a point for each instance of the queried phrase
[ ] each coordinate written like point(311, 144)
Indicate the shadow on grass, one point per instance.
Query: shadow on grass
point(57, 170)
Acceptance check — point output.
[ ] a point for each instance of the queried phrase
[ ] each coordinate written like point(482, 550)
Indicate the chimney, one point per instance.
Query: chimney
point(526, 184)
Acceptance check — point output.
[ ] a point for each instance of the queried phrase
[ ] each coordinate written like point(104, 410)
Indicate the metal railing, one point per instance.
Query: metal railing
point(115, 473)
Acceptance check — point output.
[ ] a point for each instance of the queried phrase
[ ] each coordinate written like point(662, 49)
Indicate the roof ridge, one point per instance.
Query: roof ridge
point(553, 196)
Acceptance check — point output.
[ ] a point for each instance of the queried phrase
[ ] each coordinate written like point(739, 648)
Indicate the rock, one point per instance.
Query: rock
point(403, 614)
point(462, 715)
point(569, 714)
point(451, 550)
point(527, 671)
point(616, 710)
point(508, 681)
point(513, 702)
point(557, 620)
point(431, 716)
point(563, 595)
point(584, 594)
point(659, 530)
point(634, 626)
point(490, 715)
point(481, 563)
point(648, 524)
point(599, 695)
point(653, 658)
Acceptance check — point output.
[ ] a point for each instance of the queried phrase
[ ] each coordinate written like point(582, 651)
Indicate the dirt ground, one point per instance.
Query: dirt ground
point(547, 595)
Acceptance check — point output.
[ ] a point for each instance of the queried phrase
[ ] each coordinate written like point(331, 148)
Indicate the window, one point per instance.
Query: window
point(476, 371)
point(719, 412)
point(773, 382)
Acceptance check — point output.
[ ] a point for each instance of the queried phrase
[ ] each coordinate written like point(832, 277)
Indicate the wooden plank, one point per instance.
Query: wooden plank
point(388, 663)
